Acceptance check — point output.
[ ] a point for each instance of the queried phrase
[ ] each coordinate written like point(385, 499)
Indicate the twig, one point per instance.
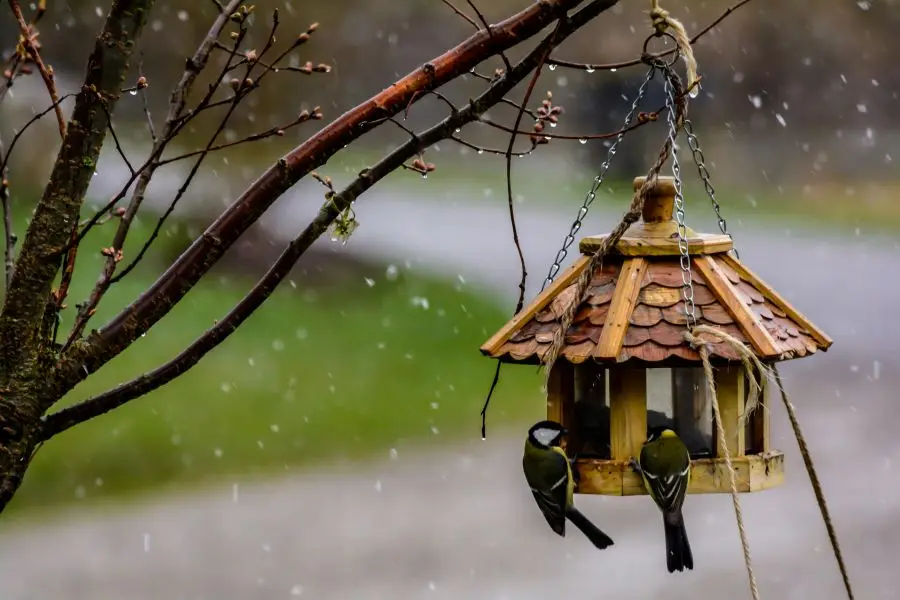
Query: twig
point(451, 6)
point(590, 68)
point(643, 119)
point(84, 359)
point(112, 132)
point(177, 101)
point(486, 150)
point(487, 27)
point(142, 86)
point(303, 117)
point(512, 216)
point(29, 35)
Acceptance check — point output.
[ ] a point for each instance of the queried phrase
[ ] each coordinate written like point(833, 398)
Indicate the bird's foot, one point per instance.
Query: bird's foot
point(634, 464)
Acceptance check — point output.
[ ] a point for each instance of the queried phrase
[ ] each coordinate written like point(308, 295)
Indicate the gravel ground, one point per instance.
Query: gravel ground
point(458, 522)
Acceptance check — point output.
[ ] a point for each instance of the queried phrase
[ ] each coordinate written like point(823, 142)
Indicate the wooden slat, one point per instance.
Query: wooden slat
point(766, 290)
point(538, 304)
point(634, 246)
point(627, 411)
point(729, 383)
point(620, 308)
point(561, 393)
point(708, 476)
point(725, 292)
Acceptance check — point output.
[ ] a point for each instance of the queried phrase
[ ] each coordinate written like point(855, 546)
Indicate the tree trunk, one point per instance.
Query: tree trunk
point(19, 424)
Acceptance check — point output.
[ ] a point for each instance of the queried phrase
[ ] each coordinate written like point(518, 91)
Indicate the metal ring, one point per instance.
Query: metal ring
point(656, 59)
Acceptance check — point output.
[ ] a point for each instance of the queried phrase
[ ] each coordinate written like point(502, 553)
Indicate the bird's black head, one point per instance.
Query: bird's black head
point(660, 431)
point(546, 434)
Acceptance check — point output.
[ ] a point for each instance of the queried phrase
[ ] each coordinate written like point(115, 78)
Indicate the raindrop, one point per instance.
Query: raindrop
point(589, 70)
point(132, 92)
point(613, 70)
point(182, 15)
point(370, 282)
point(235, 493)
point(297, 590)
point(393, 454)
point(756, 101)
point(862, 108)
point(277, 345)
point(582, 141)
point(780, 120)
point(864, 4)
point(218, 453)
point(146, 542)
point(551, 67)
point(378, 485)
point(480, 151)
point(392, 273)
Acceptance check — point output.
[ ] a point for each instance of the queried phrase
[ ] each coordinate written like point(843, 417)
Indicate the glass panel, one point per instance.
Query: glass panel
point(590, 436)
point(692, 410)
point(659, 398)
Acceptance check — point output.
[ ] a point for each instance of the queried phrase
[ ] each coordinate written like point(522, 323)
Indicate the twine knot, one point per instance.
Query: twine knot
point(659, 18)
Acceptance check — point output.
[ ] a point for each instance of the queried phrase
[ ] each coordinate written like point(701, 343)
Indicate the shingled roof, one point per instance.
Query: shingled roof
point(633, 308)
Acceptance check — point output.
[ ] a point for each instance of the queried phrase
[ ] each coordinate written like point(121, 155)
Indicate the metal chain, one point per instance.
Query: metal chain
point(687, 288)
point(700, 161)
point(598, 181)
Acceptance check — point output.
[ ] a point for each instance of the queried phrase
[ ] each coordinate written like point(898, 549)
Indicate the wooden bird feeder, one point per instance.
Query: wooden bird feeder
point(625, 364)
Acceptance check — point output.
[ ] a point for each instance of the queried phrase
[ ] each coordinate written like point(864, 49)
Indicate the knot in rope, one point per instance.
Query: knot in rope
point(659, 19)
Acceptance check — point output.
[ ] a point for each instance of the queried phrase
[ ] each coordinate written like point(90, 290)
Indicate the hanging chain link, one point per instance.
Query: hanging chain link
point(598, 181)
point(700, 161)
point(687, 288)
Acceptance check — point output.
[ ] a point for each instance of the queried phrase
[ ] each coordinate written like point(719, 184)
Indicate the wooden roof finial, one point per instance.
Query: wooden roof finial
point(659, 204)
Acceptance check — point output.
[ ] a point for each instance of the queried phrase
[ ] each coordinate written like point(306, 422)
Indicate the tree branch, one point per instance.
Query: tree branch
point(30, 47)
point(328, 213)
point(84, 358)
point(57, 212)
point(177, 100)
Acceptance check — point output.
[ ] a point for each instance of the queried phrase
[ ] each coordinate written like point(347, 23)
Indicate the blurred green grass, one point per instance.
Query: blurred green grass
point(346, 371)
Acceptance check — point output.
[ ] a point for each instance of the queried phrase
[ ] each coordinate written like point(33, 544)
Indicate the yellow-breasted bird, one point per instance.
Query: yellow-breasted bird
point(665, 467)
point(549, 475)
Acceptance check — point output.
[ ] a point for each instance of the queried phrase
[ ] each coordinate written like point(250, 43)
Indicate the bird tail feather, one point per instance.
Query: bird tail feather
point(678, 549)
point(591, 531)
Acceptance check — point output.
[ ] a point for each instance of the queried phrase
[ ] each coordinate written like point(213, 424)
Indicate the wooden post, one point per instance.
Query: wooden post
point(561, 393)
point(729, 383)
point(628, 411)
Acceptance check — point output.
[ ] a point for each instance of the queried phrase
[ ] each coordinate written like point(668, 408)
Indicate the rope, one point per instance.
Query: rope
point(750, 361)
point(703, 348)
point(663, 23)
point(816, 485)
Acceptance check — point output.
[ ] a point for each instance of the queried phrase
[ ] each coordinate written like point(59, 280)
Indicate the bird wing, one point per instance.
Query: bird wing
point(668, 490)
point(550, 494)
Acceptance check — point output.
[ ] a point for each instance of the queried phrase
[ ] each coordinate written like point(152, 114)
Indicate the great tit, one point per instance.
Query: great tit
point(549, 475)
point(665, 467)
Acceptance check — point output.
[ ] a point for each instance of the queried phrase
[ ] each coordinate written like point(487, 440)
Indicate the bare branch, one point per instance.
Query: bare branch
point(469, 19)
point(141, 87)
point(487, 27)
point(30, 47)
point(486, 150)
point(590, 68)
point(509, 154)
point(90, 358)
point(303, 117)
point(57, 211)
point(177, 100)
point(642, 119)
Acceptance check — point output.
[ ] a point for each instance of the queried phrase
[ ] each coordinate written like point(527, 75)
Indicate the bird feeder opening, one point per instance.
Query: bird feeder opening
point(625, 364)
